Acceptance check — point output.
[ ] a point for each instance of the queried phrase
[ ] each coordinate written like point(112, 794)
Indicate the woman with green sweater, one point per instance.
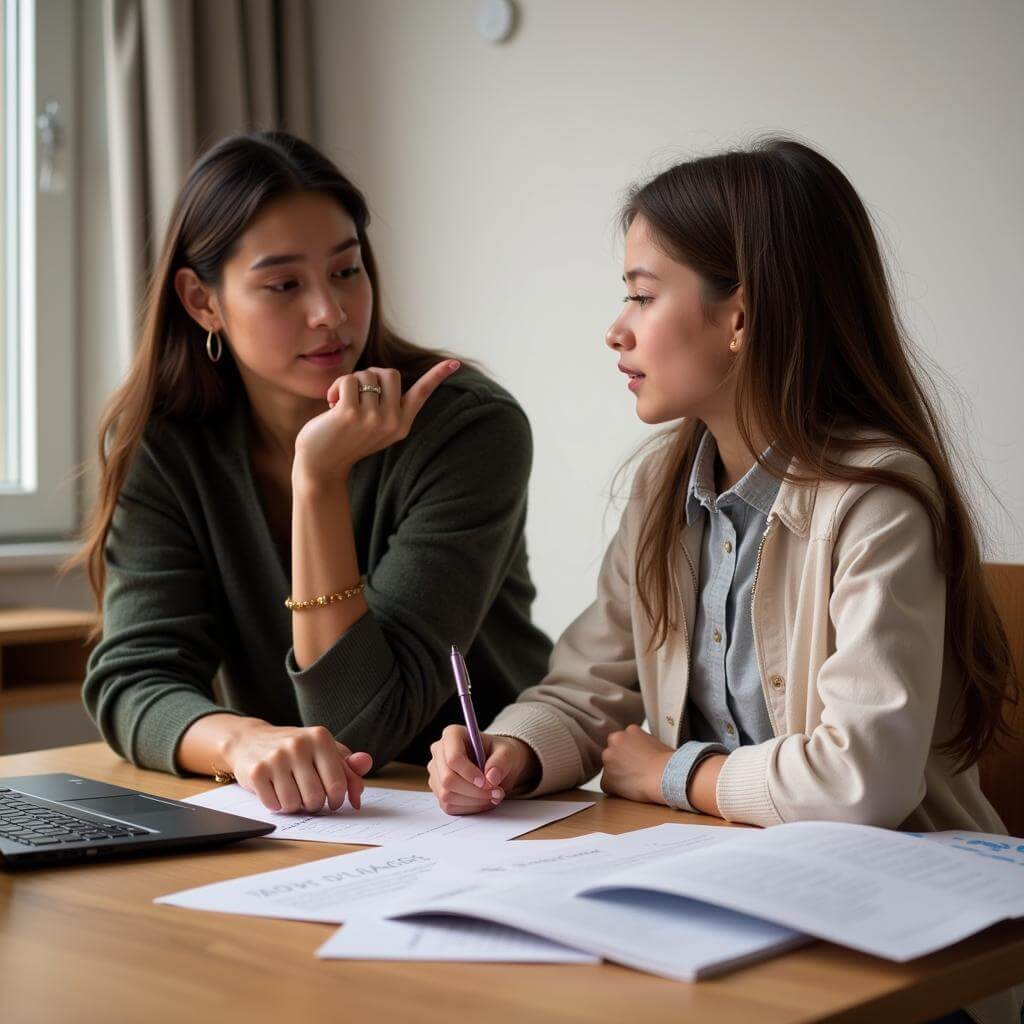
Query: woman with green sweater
point(299, 500)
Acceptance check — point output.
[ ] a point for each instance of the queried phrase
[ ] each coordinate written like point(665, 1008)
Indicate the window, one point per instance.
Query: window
point(37, 270)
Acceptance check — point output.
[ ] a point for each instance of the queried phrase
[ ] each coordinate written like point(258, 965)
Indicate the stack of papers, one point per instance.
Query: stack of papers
point(523, 887)
point(681, 901)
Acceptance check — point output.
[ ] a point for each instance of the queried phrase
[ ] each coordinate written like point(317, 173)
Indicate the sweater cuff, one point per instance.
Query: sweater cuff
point(345, 678)
point(154, 735)
point(543, 731)
point(742, 791)
point(675, 780)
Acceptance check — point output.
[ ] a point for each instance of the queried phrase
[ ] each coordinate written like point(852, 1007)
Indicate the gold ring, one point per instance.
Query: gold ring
point(375, 389)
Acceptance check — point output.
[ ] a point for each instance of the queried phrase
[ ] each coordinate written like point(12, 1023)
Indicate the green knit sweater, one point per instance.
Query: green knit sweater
point(195, 584)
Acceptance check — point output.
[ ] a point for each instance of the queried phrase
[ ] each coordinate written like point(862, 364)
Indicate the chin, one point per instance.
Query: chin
point(305, 389)
point(654, 415)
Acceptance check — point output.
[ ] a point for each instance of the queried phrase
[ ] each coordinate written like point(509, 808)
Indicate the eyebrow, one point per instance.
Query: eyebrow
point(636, 272)
point(273, 261)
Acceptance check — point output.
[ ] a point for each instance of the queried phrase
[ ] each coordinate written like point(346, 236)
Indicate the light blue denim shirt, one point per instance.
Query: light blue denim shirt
point(725, 705)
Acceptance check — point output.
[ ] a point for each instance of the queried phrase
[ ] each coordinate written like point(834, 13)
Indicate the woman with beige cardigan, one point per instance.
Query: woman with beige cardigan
point(794, 597)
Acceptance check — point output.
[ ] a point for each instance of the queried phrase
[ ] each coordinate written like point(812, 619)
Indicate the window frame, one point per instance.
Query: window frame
point(43, 502)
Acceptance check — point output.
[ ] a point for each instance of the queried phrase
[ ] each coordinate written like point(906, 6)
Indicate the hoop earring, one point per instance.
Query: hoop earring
point(213, 353)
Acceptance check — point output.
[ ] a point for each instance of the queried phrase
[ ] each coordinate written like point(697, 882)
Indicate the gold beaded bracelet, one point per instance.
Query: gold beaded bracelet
point(324, 599)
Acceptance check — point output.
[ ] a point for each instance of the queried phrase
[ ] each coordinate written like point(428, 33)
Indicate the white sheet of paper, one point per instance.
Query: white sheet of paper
point(871, 889)
point(444, 938)
point(391, 816)
point(369, 882)
point(595, 853)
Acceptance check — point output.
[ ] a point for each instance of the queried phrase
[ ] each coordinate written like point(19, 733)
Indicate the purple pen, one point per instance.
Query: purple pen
point(463, 687)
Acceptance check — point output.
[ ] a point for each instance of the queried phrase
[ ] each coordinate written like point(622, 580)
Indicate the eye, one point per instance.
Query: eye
point(281, 286)
point(640, 300)
point(347, 272)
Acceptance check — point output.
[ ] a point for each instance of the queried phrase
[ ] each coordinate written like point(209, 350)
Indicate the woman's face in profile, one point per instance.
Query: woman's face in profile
point(676, 361)
point(295, 298)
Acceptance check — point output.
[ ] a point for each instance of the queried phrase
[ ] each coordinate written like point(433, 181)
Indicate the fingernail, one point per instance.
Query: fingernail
point(496, 794)
point(454, 364)
point(479, 781)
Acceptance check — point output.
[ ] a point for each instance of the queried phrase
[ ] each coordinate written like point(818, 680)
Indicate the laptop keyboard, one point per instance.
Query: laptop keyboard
point(25, 822)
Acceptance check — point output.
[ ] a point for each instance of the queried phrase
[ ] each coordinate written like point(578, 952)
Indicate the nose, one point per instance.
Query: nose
point(619, 336)
point(326, 311)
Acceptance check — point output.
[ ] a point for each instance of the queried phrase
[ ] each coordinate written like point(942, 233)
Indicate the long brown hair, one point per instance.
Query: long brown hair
point(826, 356)
point(171, 376)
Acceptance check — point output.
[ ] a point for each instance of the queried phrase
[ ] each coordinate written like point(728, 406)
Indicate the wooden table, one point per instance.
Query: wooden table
point(86, 943)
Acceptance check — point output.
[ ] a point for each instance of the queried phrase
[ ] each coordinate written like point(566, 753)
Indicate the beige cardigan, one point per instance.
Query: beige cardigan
point(848, 618)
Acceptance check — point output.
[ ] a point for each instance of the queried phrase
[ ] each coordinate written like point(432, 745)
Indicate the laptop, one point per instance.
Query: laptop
point(57, 818)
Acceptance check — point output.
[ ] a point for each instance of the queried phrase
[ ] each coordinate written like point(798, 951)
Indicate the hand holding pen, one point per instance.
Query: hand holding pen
point(470, 771)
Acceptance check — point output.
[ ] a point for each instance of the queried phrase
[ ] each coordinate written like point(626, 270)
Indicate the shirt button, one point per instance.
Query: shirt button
point(670, 720)
point(777, 682)
point(730, 728)
point(717, 636)
point(728, 546)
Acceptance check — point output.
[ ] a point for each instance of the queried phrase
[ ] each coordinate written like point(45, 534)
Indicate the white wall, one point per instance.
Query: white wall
point(494, 174)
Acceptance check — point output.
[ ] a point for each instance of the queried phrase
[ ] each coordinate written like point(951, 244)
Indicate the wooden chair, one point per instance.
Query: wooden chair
point(1002, 771)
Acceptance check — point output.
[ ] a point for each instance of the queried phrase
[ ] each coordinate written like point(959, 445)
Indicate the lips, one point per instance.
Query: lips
point(326, 355)
point(630, 372)
point(326, 350)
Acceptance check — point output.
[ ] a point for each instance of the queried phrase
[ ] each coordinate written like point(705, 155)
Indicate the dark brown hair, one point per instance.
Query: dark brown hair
point(171, 376)
point(826, 357)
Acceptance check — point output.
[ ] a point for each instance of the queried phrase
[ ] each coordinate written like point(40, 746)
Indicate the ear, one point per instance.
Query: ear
point(198, 299)
point(737, 319)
